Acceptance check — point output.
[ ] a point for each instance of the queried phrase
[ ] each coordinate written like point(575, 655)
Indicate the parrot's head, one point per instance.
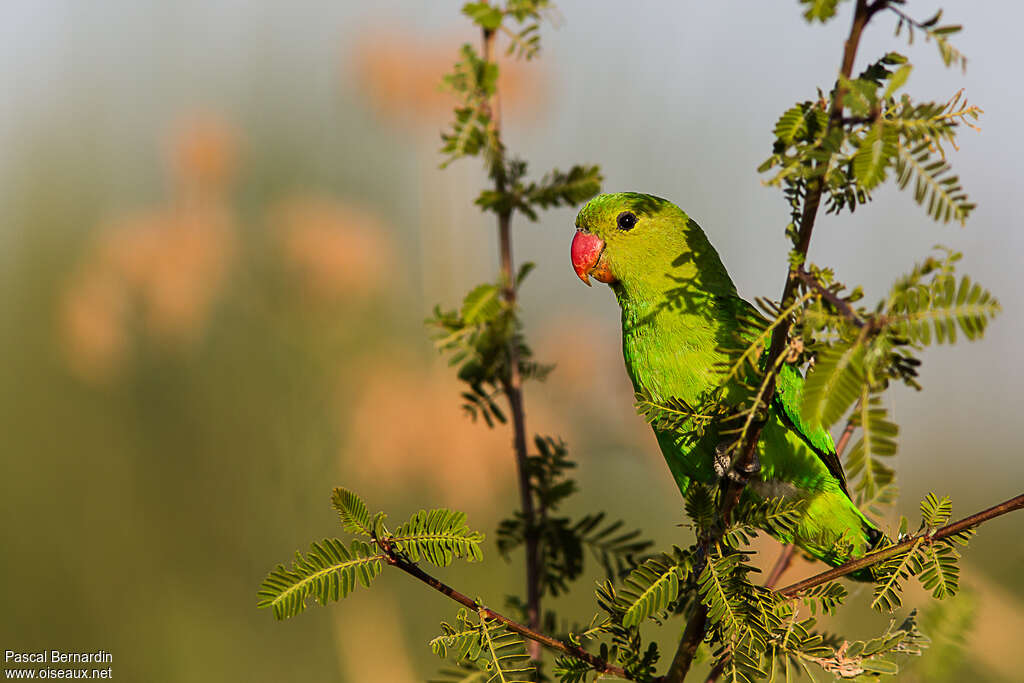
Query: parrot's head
point(617, 234)
point(632, 238)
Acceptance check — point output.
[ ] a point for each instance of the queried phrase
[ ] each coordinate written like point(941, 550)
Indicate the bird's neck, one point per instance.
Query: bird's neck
point(674, 322)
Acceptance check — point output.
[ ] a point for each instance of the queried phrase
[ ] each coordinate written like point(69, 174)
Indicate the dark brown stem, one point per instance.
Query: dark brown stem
point(878, 556)
point(513, 382)
point(533, 635)
point(830, 296)
point(844, 438)
point(692, 637)
point(780, 337)
point(717, 670)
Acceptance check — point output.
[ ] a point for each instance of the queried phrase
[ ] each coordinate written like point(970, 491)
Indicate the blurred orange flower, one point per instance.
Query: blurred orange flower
point(91, 314)
point(203, 152)
point(401, 74)
point(339, 250)
point(166, 263)
point(433, 443)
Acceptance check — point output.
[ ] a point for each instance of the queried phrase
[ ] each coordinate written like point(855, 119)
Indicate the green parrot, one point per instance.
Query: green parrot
point(680, 311)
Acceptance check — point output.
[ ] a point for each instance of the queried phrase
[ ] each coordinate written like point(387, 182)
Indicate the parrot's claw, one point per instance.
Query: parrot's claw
point(722, 463)
point(753, 467)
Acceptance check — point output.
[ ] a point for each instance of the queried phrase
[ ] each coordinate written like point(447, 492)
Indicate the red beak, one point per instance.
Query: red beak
point(587, 252)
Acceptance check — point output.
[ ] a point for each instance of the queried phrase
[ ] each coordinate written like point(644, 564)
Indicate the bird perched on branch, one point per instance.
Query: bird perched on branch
point(682, 323)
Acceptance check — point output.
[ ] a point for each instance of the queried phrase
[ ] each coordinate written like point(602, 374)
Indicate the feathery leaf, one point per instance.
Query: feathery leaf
point(328, 572)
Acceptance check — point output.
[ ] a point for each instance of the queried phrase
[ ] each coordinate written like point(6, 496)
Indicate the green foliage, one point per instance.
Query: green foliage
point(438, 536)
point(478, 336)
point(330, 570)
point(734, 603)
point(825, 598)
point(933, 561)
point(921, 313)
point(851, 155)
point(555, 189)
point(676, 415)
point(474, 80)
point(569, 670)
point(834, 383)
point(932, 31)
point(859, 351)
point(875, 151)
point(777, 516)
point(626, 646)
point(653, 586)
point(355, 518)
point(820, 10)
point(873, 657)
point(486, 645)
point(562, 541)
point(933, 184)
point(327, 573)
point(702, 507)
point(865, 473)
point(838, 147)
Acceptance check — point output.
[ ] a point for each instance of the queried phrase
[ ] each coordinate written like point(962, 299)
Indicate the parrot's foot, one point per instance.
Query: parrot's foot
point(722, 463)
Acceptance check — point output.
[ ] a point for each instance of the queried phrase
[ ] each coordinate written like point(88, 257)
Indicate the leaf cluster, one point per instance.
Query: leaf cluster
point(857, 352)
point(477, 337)
point(849, 143)
point(562, 542)
point(933, 561)
point(487, 650)
point(555, 189)
point(330, 570)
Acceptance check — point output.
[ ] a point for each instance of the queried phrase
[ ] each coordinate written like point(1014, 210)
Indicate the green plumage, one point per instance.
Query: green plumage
point(681, 316)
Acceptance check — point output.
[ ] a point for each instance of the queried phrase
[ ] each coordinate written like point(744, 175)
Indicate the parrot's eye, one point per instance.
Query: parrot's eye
point(626, 220)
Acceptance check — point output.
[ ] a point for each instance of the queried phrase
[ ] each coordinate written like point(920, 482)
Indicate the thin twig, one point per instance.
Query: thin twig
point(781, 565)
point(717, 670)
point(693, 636)
point(879, 555)
point(535, 636)
point(844, 438)
point(513, 382)
point(830, 296)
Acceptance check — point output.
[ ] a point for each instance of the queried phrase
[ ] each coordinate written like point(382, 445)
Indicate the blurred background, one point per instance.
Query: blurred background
point(222, 224)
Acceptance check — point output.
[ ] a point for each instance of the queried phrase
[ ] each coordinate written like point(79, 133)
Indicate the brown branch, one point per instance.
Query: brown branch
point(781, 565)
point(718, 669)
point(844, 438)
point(744, 464)
point(830, 296)
point(534, 636)
point(512, 384)
point(878, 556)
point(692, 638)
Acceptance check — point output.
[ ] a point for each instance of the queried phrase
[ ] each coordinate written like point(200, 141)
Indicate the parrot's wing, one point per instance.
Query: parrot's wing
point(789, 392)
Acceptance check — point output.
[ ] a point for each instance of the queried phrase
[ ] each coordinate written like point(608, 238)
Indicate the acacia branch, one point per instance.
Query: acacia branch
point(512, 383)
point(535, 636)
point(870, 559)
point(744, 464)
point(831, 296)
